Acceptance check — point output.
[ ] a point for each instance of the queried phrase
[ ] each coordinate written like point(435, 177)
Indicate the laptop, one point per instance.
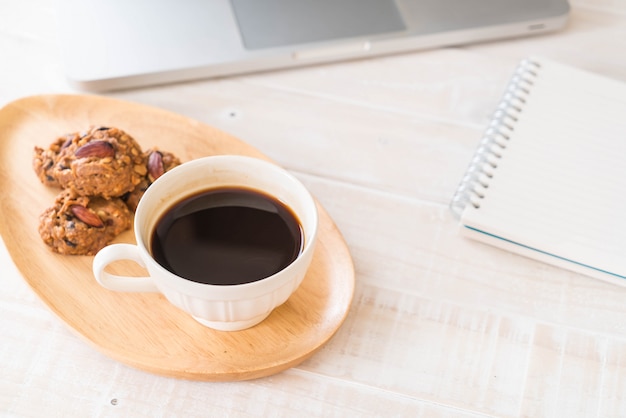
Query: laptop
point(119, 44)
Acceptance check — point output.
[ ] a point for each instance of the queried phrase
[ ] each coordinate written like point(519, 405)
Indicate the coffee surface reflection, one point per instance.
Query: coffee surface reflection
point(227, 236)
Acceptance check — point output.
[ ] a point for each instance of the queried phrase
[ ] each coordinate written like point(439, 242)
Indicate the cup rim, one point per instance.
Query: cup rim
point(274, 280)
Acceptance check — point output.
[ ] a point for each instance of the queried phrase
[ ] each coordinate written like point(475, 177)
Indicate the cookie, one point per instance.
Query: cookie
point(81, 225)
point(157, 163)
point(45, 159)
point(103, 162)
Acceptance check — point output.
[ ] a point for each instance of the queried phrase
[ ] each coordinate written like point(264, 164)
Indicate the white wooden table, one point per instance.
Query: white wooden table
point(439, 326)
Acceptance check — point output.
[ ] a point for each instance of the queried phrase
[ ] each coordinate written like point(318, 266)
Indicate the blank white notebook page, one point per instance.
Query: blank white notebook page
point(559, 185)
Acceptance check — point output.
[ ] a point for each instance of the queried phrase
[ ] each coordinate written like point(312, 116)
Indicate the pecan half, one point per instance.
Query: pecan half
point(155, 165)
point(98, 149)
point(87, 216)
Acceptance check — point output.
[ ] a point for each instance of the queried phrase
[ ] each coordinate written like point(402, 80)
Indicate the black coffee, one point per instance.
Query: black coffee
point(227, 236)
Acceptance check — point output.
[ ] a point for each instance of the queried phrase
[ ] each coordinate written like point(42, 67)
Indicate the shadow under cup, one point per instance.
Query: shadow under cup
point(226, 307)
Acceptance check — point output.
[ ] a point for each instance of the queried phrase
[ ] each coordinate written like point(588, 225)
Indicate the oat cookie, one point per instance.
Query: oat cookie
point(157, 163)
point(103, 162)
point(45, 159)
point(81, 225)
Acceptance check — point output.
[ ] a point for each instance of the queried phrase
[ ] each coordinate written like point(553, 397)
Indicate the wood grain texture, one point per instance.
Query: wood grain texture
point(144, 330)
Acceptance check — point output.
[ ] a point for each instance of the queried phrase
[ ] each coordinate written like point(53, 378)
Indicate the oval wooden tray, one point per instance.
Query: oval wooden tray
point(144, 330)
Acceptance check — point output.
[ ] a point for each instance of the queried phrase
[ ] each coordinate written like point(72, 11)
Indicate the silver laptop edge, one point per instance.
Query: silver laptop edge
point(91, 64)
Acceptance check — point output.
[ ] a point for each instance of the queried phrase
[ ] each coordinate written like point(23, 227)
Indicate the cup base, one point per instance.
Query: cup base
point(232, 325)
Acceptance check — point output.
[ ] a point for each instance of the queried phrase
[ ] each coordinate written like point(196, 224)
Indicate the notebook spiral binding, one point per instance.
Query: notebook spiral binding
point(492, 146)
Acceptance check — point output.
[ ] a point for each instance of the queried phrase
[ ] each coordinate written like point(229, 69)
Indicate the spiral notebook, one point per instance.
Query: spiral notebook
point(548, 179)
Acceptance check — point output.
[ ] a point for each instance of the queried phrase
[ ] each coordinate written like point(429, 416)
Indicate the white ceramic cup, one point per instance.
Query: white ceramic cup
point(221, 307)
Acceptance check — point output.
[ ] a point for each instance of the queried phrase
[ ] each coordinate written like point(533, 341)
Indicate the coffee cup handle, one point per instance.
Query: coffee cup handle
point(116, 252)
